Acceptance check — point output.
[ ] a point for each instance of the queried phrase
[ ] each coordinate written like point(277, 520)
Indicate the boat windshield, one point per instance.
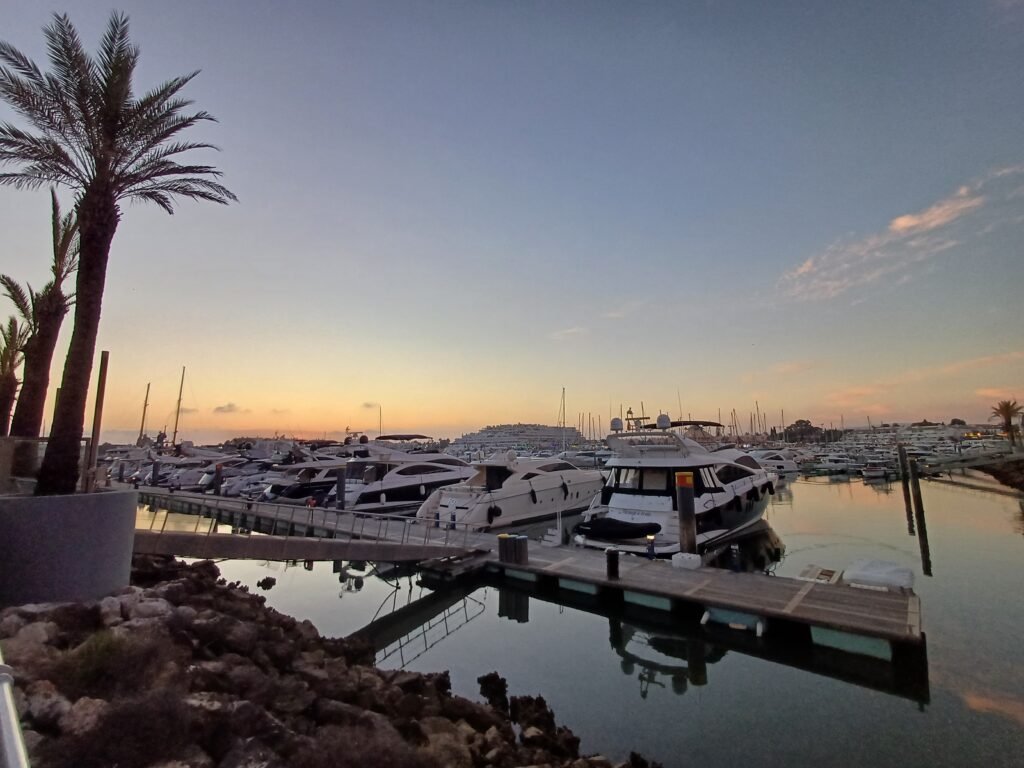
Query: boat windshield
point(366, 471)
point(639, 479)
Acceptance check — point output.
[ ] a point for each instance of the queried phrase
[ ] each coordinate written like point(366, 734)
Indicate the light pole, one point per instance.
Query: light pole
point(380, 420)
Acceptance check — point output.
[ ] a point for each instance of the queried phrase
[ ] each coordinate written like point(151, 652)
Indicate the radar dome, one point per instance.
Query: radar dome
point(663, 421)
point(616, 424)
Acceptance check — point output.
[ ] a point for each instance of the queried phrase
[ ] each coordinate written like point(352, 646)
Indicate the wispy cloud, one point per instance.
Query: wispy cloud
point(995, 393)
point(230, 408)
point(190, 410)
point(1008, 707)
point(370, 405)
point(568, 333)
point(279, 411)
point(908, 241)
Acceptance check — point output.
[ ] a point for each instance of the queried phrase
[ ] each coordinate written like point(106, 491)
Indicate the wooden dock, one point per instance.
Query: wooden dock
point(867, 621)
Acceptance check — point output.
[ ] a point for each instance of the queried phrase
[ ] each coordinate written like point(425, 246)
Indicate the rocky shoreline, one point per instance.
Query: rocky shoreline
point(1010, 474)
point(181, 670)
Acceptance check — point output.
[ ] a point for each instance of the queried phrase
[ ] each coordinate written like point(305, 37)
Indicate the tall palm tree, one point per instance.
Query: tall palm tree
point(12, 341)
point(1006, 411)
point(94, 136)
point(43, 311)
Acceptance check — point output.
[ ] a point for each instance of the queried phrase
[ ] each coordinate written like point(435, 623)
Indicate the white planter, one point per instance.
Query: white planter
point(65, 548)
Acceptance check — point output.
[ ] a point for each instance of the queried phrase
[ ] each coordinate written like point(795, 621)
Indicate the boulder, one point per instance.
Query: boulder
point(84, 715)
point(46, 705)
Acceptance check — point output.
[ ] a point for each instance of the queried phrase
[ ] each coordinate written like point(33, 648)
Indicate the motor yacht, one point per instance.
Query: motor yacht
point(636, 509)
point(508, 489)
point(397, 482)
point(778, 460)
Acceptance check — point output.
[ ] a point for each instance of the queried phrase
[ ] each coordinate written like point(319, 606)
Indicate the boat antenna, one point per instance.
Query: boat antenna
point(145, 405)
point(177, 412)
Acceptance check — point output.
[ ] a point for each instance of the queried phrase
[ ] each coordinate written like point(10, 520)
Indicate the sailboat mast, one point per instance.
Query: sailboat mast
point(145, 405)
point(562, 418)
point(177, 411)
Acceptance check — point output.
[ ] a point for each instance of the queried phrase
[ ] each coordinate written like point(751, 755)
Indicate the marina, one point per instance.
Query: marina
point(682, 683)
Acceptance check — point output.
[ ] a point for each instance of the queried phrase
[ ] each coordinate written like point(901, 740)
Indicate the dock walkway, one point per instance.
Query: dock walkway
point(446, 553)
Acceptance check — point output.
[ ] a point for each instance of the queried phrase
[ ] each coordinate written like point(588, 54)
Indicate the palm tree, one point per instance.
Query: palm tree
point(43, 312)
point(1006, 411)
point(12, 341)
point(95, 137)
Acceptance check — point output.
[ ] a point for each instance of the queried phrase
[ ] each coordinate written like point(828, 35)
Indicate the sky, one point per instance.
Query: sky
point(450, 211)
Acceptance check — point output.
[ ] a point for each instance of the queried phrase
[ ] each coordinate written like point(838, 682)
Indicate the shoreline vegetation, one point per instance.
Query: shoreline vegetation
point(182, 670)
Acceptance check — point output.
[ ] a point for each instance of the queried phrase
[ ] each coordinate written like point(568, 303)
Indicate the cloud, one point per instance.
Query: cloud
point(851, 397)
point(938, 215)
point(568, 333)
point(190, 410)
point(279, 411)
point(995, 393)
point(230, 408)
point(908, 241)
point(370, 405)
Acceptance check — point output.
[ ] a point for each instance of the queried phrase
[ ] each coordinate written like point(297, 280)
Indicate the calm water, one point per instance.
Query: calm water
point(623, 686)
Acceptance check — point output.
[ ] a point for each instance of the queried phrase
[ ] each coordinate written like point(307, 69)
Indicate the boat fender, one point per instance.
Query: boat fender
point(736, 503)
point(493, 511)
point(423, 490)
point(565, 490)
point(533, 496)
point(752, 494)
point(771, 488)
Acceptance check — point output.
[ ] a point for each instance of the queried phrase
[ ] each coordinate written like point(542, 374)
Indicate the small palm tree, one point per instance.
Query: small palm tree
point(1007, 411)
point(93, 135)
point(43, 312)
point(12, 342)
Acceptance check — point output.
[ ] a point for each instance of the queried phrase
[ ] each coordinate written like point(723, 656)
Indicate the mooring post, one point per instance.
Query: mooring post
point(218, 478)
point(687, 513)
point(611, 557)
point(915, 487)
point(922, 526)
point(156, 472)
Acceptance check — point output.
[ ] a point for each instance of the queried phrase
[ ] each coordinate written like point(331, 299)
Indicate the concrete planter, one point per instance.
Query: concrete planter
point(64, 548)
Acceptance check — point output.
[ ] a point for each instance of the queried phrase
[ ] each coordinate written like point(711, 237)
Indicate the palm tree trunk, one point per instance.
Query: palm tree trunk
point(1008, 426)
point(28, 413)
point(8, 391)
point(97, 219)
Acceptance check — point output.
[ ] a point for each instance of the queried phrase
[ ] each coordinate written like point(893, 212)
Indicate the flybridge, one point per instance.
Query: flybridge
point(637, 444)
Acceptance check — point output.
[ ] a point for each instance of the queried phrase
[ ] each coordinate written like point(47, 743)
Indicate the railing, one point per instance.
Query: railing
point(12, 746)
point(395, 529)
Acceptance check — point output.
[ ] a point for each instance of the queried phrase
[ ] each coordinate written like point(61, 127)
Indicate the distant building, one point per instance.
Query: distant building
point(519, 437)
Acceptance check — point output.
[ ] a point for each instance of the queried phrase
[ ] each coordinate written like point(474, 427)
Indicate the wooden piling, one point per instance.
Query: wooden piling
point(687, 513)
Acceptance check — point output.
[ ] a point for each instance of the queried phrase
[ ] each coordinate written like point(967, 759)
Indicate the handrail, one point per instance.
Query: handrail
point(12, 745)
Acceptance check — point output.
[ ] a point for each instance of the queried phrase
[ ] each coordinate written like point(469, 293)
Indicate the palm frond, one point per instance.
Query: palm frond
point(65, 241)
point(12, 344)
point(76, 74)
point(21, 297)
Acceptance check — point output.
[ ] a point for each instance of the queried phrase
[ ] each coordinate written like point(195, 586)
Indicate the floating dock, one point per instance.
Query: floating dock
point(867, 621)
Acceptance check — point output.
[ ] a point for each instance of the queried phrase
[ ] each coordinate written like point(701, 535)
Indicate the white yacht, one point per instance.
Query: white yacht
point(638, 500)
point(510, 490)
point(779, 460)
point(397, 482)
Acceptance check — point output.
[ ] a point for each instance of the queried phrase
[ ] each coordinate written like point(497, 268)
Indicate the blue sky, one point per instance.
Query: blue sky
point(452, 210)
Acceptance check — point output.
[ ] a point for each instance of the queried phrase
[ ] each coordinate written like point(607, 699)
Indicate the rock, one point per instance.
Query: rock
point(194, 757)
point(433, 726)
point(185, 614)
point(494, 688)
point(241, 637)
point(83, 716)
point(251, 753)
point(11, 624)
point(174, 592)
point(46, 705)
point(306, 630)
point(447, 750)
point(150, 608)
point(110, 611)
point(31, 739)
point(533, 736)
point(41, 632)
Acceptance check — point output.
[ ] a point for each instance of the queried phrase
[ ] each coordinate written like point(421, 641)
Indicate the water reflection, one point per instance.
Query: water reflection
point(665, 659)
